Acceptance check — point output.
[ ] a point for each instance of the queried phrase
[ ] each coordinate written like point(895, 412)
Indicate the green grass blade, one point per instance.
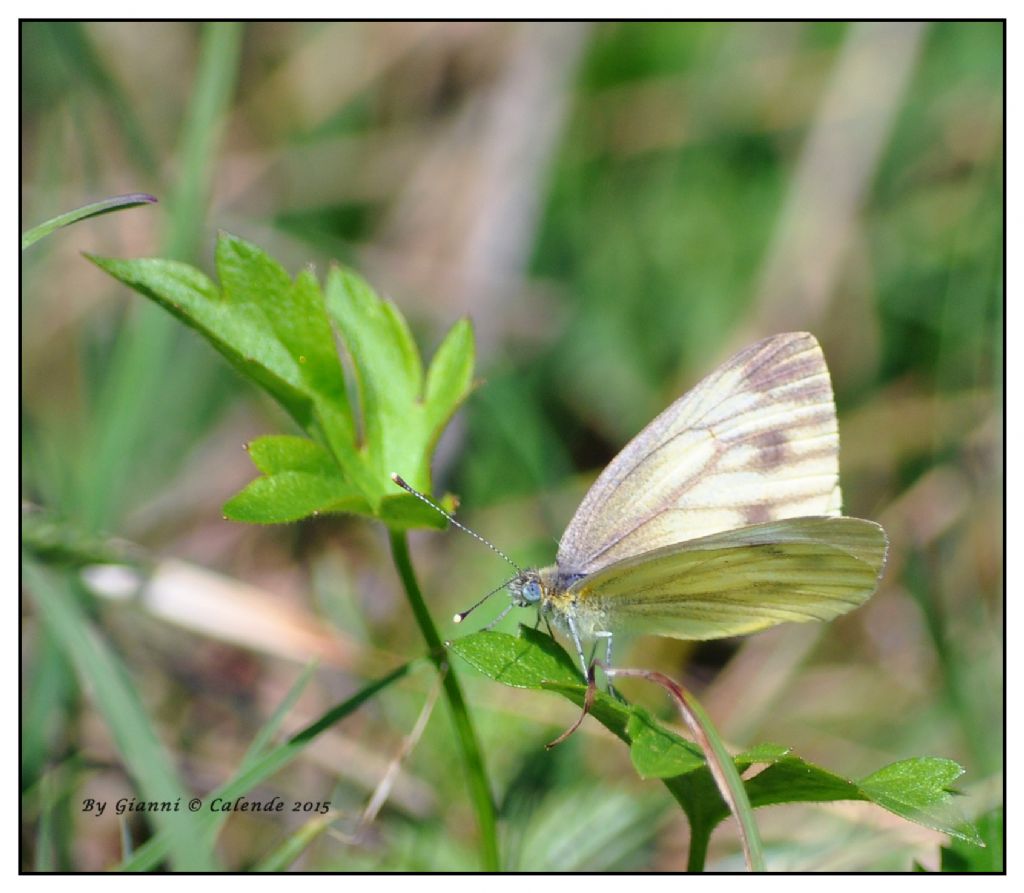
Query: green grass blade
point(94, 209)
point(293, 847)
point(265, 735)
point(102, 675)
point(46, 696)
point(77, 55)
point(130, 398)
point(149, 855)
point(728, 779)
point(219, 54)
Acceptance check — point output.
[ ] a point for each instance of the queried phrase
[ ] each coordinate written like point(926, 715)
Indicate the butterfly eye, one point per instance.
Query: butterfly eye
point(531, 591)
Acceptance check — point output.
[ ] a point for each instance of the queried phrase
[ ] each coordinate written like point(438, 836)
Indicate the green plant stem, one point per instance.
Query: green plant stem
point(700, 837)
point(479, 789)
point(720, 764)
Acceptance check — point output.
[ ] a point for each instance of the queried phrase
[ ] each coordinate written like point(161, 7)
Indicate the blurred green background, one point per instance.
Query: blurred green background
point(617, 206)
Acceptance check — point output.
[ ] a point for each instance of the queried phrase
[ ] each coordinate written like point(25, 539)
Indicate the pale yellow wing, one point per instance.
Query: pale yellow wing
point(739, 581)
point(755, 441)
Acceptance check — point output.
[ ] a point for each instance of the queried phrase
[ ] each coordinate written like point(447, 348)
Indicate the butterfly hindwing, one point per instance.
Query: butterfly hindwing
point(755, 441)
point(742, 580)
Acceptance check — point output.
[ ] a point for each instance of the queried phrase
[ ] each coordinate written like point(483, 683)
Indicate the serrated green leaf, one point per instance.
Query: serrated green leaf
point(294, 311)
point(388, 371)
point(251, 321)
point(401, 424)
point(277, 332)
point(367, 322)
point(240, 333)
point(791, 779)
point(918, 789)
point(301, 479)
point(914, 794)
point(291, 496)
point(524, 662)
point(914, 789)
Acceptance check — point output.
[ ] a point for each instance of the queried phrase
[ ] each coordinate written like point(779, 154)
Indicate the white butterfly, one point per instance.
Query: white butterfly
point(721, 517)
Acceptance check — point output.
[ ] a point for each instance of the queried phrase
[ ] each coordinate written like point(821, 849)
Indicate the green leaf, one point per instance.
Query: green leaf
point(659, 753)
point(916, 789)
point(105, 206)
point(277, 332)
point(240, 333)
point(401, 511)
point(763, 753)
point(401, 420)
point(529, 661)
point(301, 479)
point(534, 660)
point(278, 453)
point(293, 313)
point(450, 377)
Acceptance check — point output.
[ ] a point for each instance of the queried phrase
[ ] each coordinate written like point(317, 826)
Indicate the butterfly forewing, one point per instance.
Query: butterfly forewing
point(755, 441)
point(741, 580)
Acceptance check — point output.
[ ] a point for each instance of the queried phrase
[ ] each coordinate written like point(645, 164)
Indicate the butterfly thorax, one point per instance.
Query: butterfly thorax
point(556, 597)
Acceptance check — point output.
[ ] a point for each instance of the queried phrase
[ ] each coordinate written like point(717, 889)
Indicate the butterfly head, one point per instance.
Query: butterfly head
point(525, 589)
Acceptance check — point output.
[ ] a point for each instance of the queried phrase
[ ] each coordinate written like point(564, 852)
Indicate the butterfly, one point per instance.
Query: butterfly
point(721, 517)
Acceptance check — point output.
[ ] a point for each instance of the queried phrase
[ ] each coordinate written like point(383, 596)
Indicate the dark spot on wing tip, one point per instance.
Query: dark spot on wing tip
point(757, 514)
point(786, 361)
point(772, 449)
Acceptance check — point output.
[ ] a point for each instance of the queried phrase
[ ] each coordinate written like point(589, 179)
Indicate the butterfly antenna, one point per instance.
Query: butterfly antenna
point(401, 483)
point(462, 615)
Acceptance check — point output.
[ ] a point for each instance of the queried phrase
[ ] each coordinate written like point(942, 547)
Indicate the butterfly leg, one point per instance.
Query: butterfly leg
point(575, 633)
point(547, 623)
point(607, 636)
point(498, 619)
